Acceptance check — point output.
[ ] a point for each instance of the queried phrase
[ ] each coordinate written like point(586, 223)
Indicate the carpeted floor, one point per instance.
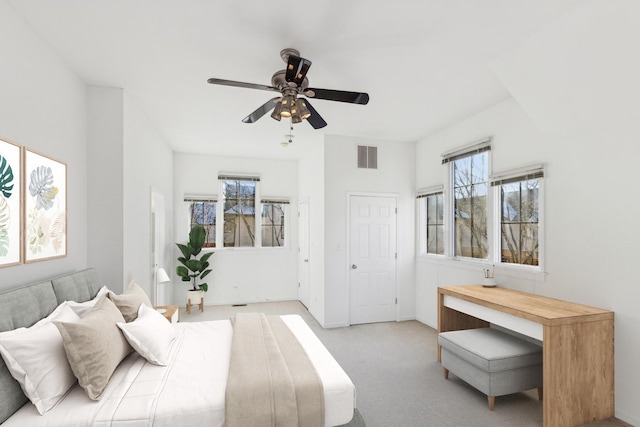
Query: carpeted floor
point(397, 377)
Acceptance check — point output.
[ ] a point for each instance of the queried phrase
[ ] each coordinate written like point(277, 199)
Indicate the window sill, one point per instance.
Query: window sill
point(502, 271)
point(250, 249)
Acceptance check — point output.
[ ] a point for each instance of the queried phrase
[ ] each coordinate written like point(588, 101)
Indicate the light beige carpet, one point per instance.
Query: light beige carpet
point(397, 377)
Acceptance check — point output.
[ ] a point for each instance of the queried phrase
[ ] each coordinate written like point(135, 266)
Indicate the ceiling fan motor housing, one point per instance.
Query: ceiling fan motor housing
point(279, 81)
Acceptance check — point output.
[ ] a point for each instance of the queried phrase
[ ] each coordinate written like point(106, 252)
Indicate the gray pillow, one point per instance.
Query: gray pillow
point(95, 346)
point(129, 302)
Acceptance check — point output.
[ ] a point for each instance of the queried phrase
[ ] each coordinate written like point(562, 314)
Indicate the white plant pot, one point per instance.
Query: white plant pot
point(195, 296)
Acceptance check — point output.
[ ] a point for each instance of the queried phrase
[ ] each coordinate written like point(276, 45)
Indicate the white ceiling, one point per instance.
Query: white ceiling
point(424, 64)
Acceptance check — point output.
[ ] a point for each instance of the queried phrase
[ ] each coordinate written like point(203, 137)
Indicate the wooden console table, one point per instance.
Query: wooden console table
point(577, 345)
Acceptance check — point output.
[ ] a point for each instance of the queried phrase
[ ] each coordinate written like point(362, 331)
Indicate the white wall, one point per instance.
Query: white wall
point(127, 157)
point(578, 81)
point(147, 163)
point(311, 188)
point(42, 106)
point(240, 275)
point(395, 175)
point(107, 144)
point(105, 147)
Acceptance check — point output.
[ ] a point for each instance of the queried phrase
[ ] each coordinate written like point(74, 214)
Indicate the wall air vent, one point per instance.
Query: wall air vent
point(367, 157)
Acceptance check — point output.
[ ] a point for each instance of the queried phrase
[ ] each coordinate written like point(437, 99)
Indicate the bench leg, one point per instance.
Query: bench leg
point(539, 393)
point(491, 400)
point(446, 373)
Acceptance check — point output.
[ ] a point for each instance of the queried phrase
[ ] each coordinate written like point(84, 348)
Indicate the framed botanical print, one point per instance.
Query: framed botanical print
point(45, 207)
point(10, 204)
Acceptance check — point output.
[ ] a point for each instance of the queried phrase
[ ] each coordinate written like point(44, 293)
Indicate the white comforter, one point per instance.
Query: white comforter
point(190, 390)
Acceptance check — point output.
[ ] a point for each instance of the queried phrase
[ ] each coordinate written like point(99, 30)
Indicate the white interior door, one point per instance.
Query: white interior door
point(372, 259)
point(303, 252)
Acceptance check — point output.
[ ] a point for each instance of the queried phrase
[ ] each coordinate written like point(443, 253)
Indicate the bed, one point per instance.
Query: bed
point(189, 390)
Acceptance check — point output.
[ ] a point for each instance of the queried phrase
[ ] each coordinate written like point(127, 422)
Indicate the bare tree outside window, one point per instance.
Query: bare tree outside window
point(239, 212)
point(519, 223)
point(470, 188)
point(204, 213)
point(273, 224)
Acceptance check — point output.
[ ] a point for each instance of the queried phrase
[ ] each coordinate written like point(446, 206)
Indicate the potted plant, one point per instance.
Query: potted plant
point(194, 268)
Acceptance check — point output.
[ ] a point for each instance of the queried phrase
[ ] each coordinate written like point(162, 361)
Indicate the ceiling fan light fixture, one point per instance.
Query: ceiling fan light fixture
point(303, 111)
point(277, 110)
point(286, 104)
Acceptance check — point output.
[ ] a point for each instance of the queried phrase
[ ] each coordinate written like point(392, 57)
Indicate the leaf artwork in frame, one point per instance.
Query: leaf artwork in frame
point(45, 215)
point(10, 204)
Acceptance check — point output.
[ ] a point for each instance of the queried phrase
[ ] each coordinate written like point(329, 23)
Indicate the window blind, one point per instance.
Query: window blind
point(281, 201)
point(238, 178)
point(468, 150)
point(536, 172)
point(431, 191)
point(201, 199)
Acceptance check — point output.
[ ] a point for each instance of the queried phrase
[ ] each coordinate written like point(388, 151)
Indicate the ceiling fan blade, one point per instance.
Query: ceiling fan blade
point(223, 82)
point(338, 95)
point(315, 119)
point(261, 111)
point(297, 69)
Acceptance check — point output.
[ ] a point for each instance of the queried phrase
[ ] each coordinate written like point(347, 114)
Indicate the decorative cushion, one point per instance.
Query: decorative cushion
point(95, 346)
point(84, 308)
point(150, 335)
point(129, 302)
point(36, 358)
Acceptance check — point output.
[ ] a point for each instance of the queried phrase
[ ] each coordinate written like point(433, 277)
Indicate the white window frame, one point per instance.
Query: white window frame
point(188, 200)
point(449, 203)
point(220, 212)
point(421, 199)
point(521, 174)
point(285, 210)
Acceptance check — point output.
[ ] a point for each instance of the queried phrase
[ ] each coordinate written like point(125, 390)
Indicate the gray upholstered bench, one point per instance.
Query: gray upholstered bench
point(494, 362)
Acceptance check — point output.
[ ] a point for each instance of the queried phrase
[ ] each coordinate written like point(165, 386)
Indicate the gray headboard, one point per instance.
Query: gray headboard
point(24, 306)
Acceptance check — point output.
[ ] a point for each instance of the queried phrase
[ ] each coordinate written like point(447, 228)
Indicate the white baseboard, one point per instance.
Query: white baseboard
point(335, 325)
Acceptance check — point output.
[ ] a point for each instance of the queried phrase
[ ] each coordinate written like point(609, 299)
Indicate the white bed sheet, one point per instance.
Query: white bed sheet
point(190, 390)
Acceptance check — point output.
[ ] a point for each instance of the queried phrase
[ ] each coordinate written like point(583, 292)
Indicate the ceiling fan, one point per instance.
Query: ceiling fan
point(292, 84)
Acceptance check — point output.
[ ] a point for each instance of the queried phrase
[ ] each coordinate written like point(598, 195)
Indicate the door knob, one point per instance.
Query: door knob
point(306, 260)
point(353, 266)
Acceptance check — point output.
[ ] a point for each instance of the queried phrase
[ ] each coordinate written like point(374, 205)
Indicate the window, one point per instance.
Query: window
point(469, 188)
point(273, 223)
point(239, 211)
point(433, 220)
point(520, 218)
point(203, 212)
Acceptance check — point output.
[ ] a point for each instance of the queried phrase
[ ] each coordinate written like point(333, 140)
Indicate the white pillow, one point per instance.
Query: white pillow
point(36, 358)
point(150, 335)
point(84, 308)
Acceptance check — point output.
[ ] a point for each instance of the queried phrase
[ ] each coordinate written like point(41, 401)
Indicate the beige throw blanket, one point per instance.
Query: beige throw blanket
point(271, 381)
